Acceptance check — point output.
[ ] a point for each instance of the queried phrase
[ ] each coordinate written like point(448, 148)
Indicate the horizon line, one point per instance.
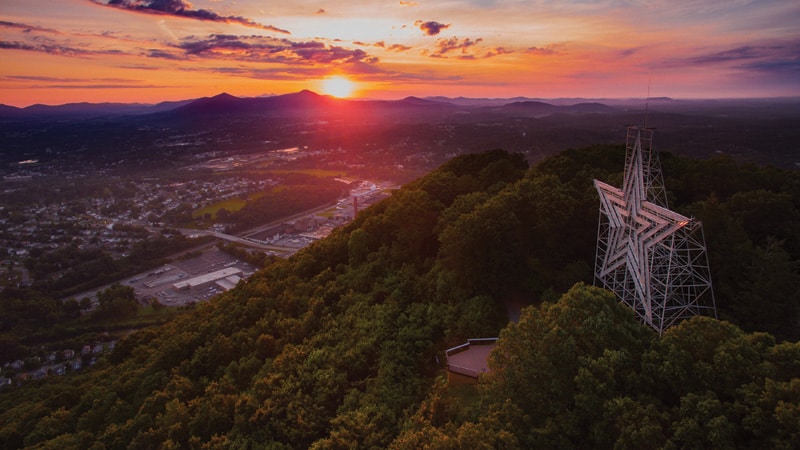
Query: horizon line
point(356, 98)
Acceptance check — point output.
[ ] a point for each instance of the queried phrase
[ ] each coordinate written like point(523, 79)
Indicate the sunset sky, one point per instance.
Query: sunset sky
point(147, 51)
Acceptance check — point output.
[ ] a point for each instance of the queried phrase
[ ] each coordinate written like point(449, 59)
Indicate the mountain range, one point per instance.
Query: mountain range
point(304, 101)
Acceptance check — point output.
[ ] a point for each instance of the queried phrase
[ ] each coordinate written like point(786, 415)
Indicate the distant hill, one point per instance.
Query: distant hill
point(308, 105)
point(533, 108)
point(84, 110)
point(6, 110)
point(477, 102)
point(590, 108)
point(219, 104)
point(530, 108)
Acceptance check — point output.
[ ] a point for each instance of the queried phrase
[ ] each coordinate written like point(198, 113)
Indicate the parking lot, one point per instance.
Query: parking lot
point(160, 283)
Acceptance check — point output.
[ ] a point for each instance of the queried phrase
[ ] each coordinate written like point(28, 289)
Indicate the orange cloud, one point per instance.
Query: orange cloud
point(462, 48)
point(547, 50)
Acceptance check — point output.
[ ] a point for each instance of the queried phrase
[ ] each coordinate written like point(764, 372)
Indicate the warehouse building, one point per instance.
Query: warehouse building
point(225, 277)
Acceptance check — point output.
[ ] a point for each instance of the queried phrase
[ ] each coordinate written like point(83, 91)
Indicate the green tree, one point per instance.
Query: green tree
point(86, 303)
point(769, 290)
point(336, 346)
point(72, 308)
point(116, 302)
point(482, 249)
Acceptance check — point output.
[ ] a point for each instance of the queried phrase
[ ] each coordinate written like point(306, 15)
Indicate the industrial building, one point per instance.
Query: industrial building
point(226, 279)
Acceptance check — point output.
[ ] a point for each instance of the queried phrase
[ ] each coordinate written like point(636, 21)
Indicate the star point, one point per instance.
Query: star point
point(651, 257)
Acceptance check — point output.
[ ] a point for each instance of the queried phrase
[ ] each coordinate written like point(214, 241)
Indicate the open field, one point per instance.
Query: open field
point(232, 204)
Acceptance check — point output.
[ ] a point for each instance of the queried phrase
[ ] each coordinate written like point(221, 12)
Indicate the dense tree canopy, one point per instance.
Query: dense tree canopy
point(583, 373)
point(341, 345)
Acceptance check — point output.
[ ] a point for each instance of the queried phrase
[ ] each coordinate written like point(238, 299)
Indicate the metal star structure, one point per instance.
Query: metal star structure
point(652, 258)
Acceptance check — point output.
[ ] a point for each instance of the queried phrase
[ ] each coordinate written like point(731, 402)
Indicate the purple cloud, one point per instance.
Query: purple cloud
point(157, 53)
point(444, 47)
point(431, 28)
point(43, 79)
point(27, 28)
point(745, 52)
point(769, 56)
point(629, 51)
point(268, 49)
point(51, 49)
point(777, 65)
point(182, 8)
point(497, 51)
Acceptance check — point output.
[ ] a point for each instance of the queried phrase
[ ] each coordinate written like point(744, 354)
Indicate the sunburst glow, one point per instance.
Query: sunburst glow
point(338, 86)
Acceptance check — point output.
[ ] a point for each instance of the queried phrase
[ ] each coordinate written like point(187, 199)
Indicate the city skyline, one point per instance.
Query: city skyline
point(148, 51)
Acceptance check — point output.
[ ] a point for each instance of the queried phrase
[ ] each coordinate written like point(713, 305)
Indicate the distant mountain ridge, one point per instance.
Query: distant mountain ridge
point(84, 110)
point(307, 104)
point(540, 109)
point(560, 101)
point(305, 100)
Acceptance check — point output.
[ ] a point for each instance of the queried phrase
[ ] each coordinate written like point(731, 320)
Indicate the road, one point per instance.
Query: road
point(230, 238)
point(243, 237)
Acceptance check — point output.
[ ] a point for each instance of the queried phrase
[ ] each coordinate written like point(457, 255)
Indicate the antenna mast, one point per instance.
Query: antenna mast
point(647, 101)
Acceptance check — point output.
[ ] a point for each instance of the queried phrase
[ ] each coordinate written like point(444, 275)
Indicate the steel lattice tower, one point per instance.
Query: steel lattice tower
point(652, 258)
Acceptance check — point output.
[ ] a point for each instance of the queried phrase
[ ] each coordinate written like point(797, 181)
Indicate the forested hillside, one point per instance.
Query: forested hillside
point(341, 346)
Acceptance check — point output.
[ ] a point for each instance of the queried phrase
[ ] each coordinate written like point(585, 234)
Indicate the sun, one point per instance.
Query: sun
point(338, 86)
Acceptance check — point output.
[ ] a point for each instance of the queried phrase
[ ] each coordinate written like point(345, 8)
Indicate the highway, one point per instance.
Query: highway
point(244, 239)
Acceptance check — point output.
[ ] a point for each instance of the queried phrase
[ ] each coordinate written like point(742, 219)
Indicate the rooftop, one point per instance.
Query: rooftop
point(471, 359)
